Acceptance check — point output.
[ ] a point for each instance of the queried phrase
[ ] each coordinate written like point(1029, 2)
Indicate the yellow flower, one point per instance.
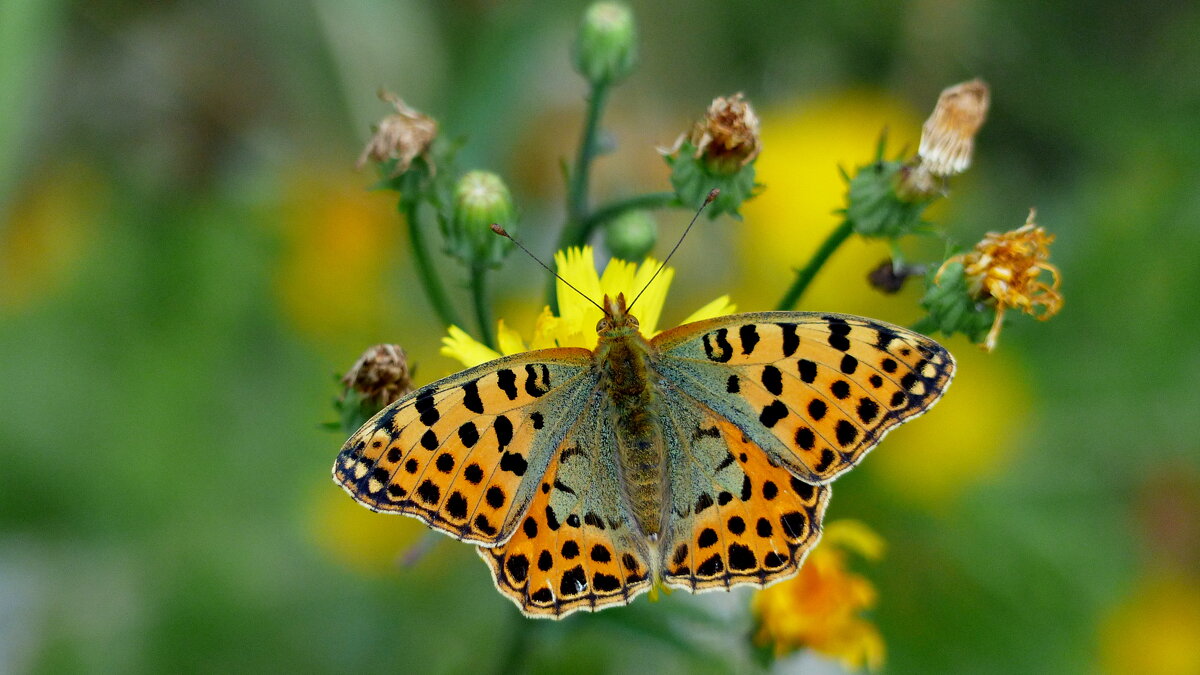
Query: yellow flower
point(1156, 631)
point(820, 607)
point(575, 326)
point(1007, 269)
point(805, 144)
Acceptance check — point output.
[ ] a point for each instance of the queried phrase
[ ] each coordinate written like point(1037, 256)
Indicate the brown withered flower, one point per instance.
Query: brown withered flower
point(1007, 269)
point(403, 136)
point(381, 375)
point(889, 278)
point(727, 137)
point(948, 136)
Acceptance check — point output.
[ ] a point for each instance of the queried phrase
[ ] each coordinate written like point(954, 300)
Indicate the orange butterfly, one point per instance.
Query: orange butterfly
point(700, 458)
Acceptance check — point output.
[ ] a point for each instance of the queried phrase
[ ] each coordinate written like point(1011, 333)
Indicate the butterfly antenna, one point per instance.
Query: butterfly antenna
point(708, 200)
point(504, 233)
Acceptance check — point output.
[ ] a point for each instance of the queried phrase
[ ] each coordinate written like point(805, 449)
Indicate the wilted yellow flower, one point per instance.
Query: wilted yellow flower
point(820, 607)
point(380, 375)
point(402, 136)
point(575, 326)
point(1007, 269)
point(948, 136)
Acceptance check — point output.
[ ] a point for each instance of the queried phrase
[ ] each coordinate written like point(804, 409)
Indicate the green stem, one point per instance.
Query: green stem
point(613, 210)
point(483, 309)
point(805, 276)
point(434, 290)
point(577, 193)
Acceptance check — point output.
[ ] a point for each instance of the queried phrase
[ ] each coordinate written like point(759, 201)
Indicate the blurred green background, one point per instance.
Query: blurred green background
point(187, 258)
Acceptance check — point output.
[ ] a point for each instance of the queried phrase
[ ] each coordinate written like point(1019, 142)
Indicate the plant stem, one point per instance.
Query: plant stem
point(577, 193)
point(805, 275)
point(643, 202)
point(483, 309)
point(434, 290)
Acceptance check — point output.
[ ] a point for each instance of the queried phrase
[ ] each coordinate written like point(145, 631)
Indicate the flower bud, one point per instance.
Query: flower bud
point(889, 277)
point(718, 153)
point(480, 199)
point(606, 47)
point(948, 136)
point(631, 236)
point(875, 208)
point(377, 379)
point(400, 137)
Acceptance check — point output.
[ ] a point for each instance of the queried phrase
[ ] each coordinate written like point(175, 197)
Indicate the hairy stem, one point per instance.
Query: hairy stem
point(806, 274)
point(483, 308)
point(434, 291)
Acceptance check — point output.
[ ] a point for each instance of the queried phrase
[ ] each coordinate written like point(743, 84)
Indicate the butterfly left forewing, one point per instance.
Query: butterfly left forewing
point(577, 546)
point(816, 391)
point(465, 454)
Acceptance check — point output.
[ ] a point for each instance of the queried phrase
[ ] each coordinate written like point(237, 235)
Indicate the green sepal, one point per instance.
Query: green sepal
point(951, 307)
point(874, 208)
point(693, 179)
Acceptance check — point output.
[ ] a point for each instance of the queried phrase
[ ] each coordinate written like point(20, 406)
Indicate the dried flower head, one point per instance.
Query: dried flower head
point(1007, 269)
point(948, 137)
point(728, 135)
point(403, 136)
point(381, 375)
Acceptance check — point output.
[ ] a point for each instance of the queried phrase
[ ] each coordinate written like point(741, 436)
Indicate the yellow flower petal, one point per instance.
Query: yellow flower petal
point(722, 306)
point(508, 340)
point(650, 305)
point(466, 349)
point(544, 330)
point(854, 535)
point(578, 267)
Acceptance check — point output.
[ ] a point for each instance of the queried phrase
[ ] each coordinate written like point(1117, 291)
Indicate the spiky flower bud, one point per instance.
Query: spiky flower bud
point(718, 152)
point(401, 136)
point(480, 199)
point(605, 50)
point(631, 236)
point(380, 375)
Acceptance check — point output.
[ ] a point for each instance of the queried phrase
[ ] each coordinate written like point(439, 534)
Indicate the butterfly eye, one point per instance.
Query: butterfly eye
point(603, 325)
point(632, 322)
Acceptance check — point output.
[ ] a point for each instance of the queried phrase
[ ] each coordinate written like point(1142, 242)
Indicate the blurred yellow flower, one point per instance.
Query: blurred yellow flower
point(1156, 631)
point(360, 539)
point(820, 607)
point(803, 146)
point(575, 326)
point(969, 436)
point(46, 232)
point(339, 248)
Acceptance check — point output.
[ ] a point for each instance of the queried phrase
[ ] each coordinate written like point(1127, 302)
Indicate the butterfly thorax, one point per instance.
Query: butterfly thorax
point(623, 357)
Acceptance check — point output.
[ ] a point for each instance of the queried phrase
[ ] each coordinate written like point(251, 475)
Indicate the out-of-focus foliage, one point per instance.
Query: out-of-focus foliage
point(187, 259)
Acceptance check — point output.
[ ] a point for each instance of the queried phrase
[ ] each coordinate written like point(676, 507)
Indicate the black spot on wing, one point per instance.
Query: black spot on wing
point(791, 340)
point(772, 380)
point(471, 400)
point(808, 370)
point(749, 337)
point(426, 407)
point(772, 413)
point(504, 431)
point(468, 434)
point(531, 380)
point(717, 347)
point(507, 381)
point(514, 464)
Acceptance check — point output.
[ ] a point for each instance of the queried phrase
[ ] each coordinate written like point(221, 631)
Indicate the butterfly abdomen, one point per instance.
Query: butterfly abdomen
point(640, 446)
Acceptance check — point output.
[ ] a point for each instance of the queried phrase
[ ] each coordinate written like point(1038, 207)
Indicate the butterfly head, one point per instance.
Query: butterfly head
point(616, 322)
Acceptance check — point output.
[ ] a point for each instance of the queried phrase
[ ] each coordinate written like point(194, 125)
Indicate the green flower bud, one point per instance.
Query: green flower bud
point(693, 178)
point(480, 199)
point(875, 208)
point(631, 236)
point(606, 47)
point(952, 308)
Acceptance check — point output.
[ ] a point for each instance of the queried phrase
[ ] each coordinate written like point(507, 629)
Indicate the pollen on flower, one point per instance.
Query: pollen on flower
point(820, 608)
point(1007, 269)
point(402, 136)
point(948, 136)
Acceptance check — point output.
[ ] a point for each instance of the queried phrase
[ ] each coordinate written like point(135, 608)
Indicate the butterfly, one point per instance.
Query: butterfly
point(700, 459)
